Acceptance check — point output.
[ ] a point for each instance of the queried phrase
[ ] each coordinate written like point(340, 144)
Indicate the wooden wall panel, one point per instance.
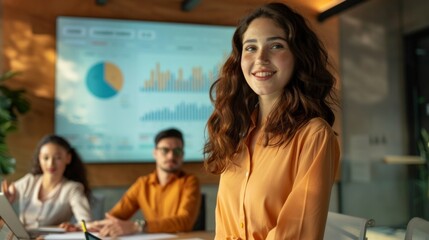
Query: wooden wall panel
point(28, 37)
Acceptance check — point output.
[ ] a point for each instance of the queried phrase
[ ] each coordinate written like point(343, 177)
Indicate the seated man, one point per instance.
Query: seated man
point(169, 198)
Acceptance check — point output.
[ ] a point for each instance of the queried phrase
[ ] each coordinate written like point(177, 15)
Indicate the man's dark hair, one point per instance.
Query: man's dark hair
point(167, 133)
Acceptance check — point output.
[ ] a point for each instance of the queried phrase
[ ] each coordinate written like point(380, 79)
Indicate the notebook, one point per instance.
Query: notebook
point(12, 228)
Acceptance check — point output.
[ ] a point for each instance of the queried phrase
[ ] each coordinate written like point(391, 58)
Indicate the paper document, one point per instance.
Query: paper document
point(81, 235)
point(47, 230)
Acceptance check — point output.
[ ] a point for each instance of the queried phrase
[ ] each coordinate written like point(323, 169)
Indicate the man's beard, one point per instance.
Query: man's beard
point(174, 169)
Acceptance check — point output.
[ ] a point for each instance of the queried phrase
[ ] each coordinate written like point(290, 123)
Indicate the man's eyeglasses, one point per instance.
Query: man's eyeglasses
point(177, 152)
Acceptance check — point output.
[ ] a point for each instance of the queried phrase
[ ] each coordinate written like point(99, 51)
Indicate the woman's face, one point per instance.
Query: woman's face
point(53, 160)
point(266, 61)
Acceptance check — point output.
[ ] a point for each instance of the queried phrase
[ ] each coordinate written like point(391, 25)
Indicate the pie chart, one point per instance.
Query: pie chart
point(104, 80)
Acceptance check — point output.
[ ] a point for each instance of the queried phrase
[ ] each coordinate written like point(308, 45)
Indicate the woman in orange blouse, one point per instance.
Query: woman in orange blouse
point(270, 135)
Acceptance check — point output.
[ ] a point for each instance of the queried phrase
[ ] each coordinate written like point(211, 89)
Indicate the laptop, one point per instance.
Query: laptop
point(12, 228)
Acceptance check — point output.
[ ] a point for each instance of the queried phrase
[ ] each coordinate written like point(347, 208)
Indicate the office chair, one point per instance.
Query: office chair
point(200, 223)
point(345, 227)
point(97, 205)
point(417, 229)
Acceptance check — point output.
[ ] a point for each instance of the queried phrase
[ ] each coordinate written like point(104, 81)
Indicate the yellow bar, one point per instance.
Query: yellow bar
point(83, 226)
point(403, 159)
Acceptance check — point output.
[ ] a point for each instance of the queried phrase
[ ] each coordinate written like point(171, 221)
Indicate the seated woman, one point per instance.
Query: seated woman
point(56, 188)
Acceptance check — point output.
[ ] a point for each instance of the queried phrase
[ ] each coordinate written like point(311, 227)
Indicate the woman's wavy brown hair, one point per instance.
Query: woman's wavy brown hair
point(74, 171)
point(309, 93)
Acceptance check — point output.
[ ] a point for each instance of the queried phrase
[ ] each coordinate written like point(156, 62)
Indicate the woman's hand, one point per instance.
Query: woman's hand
point(8, 190)
point(70, 227)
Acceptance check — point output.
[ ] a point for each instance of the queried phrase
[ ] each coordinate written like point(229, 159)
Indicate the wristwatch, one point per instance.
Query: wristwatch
point(140, 224)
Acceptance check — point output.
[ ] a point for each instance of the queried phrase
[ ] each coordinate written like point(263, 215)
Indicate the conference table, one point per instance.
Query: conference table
point(197, 235)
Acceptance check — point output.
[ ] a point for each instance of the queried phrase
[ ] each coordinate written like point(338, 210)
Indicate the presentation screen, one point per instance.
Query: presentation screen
point(119, 82)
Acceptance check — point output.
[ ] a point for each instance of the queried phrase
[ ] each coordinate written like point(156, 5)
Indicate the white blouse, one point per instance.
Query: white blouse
point(67, 199)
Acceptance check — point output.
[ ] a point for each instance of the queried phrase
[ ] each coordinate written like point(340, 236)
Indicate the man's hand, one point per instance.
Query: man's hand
point(95, 226)
point(114, 227)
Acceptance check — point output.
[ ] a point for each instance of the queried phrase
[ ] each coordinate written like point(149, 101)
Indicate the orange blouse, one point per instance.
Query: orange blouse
point(170, 208)
point(280, 192)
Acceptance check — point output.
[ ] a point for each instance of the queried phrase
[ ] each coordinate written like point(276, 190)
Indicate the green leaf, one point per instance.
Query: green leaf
point(8, 75)
point(423, 144)
point(7, 165)
point(12, 104)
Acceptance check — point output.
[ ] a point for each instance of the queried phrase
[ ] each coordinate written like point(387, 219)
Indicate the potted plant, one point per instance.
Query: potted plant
point(12, 104)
